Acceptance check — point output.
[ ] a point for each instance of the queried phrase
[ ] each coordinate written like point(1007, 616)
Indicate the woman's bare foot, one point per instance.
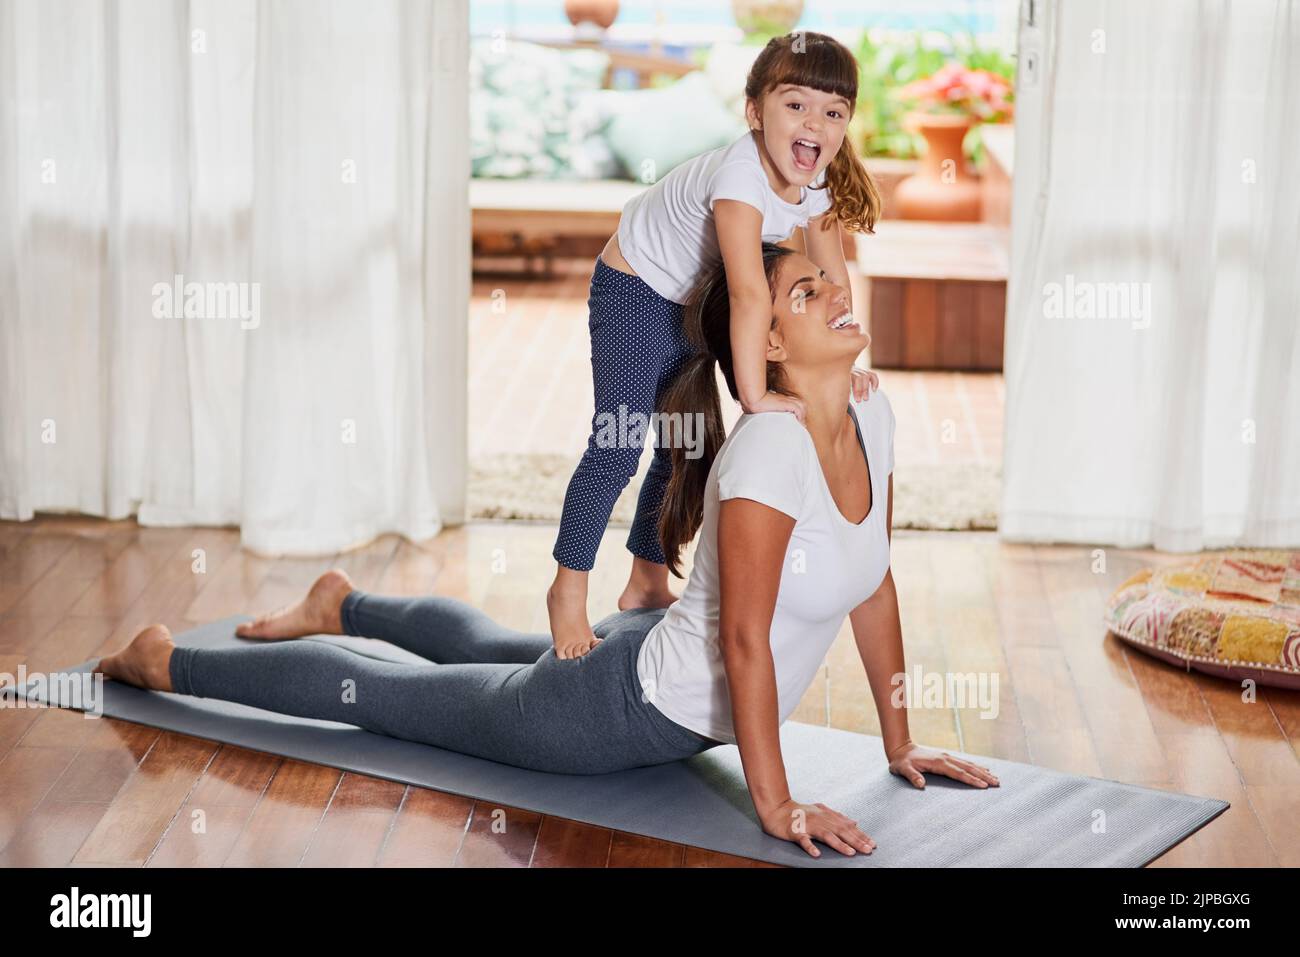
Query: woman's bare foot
point(566, 605)
point(647, 587)
point(317, 614)
point(145, 662)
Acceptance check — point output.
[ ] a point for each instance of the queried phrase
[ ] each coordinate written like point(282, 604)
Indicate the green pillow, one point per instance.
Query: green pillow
point(654, 130)
point(521, 98)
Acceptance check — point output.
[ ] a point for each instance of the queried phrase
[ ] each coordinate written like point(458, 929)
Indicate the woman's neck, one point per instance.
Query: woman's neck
point(826, 400)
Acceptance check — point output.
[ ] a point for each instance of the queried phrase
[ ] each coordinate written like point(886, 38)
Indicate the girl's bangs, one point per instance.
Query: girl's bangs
point(820, 67)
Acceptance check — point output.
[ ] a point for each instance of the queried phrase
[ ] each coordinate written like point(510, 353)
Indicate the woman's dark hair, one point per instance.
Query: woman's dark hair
point(707, 324)
point(823, 63)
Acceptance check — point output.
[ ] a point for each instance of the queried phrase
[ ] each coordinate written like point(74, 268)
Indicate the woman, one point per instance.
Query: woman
point(795, 534)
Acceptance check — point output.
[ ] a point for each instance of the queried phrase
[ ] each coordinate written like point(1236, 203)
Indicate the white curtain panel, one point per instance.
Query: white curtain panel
point(1153, 360)
point(304, 165)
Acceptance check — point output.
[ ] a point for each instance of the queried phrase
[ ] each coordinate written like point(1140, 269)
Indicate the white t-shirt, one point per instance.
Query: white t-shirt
point(831, 566)
point(667, 234)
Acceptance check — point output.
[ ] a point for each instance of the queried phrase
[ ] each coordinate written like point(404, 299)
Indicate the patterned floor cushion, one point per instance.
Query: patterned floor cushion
point(1234, 614)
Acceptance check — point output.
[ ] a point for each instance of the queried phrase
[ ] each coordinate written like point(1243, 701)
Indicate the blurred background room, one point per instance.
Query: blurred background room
point(287, 286)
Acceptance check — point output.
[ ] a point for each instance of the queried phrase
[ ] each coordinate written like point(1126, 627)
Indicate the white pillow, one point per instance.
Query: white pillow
point(727, 69)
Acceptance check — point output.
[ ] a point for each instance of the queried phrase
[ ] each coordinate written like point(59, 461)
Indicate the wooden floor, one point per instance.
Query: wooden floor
point(108, 793)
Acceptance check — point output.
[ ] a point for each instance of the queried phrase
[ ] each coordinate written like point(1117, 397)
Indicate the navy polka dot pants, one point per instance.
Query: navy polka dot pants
point(637, 348)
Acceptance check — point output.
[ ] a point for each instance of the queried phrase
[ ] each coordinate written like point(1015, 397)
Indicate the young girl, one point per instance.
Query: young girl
point(793, 168)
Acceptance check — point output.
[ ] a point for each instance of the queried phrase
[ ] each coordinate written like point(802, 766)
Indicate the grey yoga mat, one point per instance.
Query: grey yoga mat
point(1037, 818)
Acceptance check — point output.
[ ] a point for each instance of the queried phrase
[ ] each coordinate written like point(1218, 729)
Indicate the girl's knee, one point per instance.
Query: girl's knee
point(611, 463)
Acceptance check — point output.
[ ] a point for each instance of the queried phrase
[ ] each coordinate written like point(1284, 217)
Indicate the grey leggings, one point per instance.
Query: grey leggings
point(488, 691)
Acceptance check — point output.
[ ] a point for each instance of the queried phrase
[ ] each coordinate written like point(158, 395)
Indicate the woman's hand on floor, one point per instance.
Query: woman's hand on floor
point(908, 762)
point(804, 823)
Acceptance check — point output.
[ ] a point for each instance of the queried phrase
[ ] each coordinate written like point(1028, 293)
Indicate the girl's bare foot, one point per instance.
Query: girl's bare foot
point(633, 598)
point(317, 614)
point(566, 605)
point(647, 587)
point(145, 662)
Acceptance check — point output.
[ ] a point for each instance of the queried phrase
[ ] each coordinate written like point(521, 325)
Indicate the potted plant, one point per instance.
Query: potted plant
point(944, 107)
point(774, 17)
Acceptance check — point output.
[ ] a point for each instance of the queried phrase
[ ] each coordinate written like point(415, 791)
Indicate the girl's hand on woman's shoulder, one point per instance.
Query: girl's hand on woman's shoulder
point(865, 382)
point(910, 760)
point(775, 402)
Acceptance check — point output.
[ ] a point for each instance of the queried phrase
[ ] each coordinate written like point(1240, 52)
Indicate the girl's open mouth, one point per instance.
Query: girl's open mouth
point(805, 154)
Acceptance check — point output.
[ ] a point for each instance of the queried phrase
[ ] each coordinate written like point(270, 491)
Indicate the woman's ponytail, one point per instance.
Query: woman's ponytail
point(706, 322)
point(692, 396)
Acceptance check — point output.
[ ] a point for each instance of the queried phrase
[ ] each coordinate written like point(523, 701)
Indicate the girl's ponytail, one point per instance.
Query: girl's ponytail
point(855, 201)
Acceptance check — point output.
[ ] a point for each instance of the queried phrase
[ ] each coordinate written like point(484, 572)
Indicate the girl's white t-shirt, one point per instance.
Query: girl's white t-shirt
point(831, 566)
point(667, 234)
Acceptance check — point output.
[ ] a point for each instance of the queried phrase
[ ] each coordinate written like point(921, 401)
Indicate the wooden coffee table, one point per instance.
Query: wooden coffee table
point(937, 294)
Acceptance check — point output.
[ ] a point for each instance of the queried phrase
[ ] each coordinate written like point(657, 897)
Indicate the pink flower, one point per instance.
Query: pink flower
point(979, 93)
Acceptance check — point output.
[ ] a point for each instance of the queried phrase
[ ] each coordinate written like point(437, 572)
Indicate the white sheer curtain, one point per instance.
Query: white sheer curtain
point(312, 152)
point(1156, 155)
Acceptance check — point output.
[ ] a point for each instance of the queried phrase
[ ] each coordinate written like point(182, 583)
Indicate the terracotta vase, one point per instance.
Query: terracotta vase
point(941, 189)
point(603, 13)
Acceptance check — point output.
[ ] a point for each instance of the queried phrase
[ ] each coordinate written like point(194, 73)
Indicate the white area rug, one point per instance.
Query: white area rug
point(531, 487)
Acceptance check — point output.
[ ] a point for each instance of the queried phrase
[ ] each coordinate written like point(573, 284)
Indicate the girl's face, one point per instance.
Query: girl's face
point(802, 129)
point(814, 322)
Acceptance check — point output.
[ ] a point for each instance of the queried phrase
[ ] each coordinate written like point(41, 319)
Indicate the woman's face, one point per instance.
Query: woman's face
point(814, 323)
point(802, 129)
